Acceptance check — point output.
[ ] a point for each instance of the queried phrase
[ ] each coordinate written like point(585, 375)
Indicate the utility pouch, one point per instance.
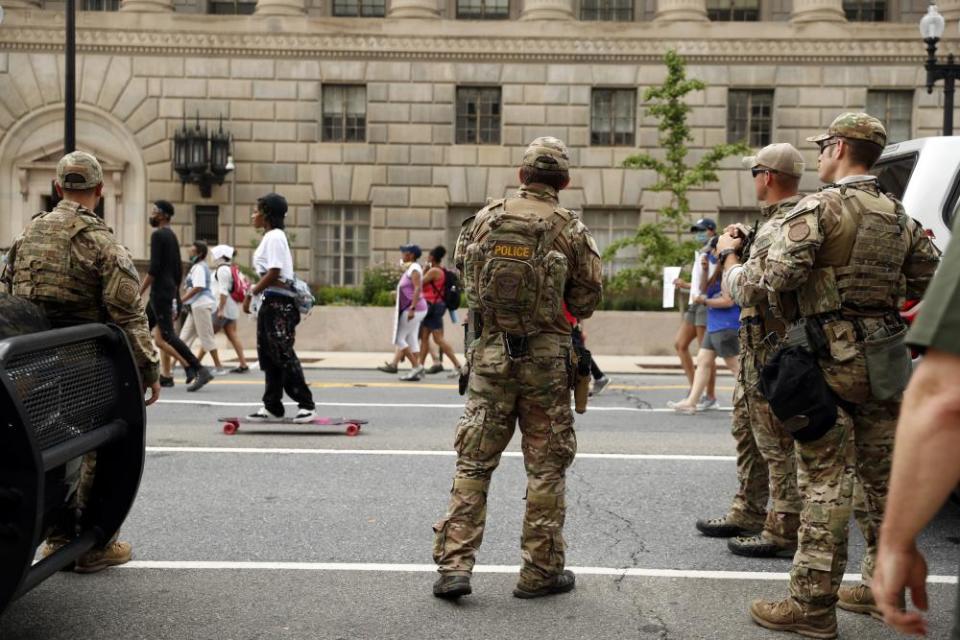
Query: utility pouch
point(888, 363)
point(793, 384)
point(464, 381)
point(581, 387)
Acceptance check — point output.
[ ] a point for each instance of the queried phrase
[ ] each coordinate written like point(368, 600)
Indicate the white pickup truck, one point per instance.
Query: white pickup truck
point(925, 175)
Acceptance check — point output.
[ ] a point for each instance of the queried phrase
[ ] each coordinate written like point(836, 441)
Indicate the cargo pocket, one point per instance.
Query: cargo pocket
point(440, 539)
point(563, 440)
point(470, 432)
point(846, 369)
point(888, 363)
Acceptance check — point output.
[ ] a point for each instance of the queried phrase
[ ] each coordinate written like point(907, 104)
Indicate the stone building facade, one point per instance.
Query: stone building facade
point(392, 125)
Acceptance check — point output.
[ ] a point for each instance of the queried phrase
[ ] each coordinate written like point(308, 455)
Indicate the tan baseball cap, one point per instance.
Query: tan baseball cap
point(860, 126)
point(781, 157)
point(79, 170)
point(547, 153)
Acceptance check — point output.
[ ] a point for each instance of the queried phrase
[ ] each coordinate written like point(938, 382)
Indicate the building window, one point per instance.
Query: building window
point(359, 8)
point(341, 250)
point(344, 113)
point(726, 217)
point(750, 117)
point(895, 110)
point(483, 9)
point(865, 10)
point(206, 223)
point(607, 10)
point(613, 117)
point(478, 115)
point(100, 5)
point(608, 225)
point(733, 10)
point(231, 7)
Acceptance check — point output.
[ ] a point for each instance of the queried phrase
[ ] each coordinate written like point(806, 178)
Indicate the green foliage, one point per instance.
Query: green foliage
point(340, 296)
point(631, 299)
point(379, 279)
point(661, 243)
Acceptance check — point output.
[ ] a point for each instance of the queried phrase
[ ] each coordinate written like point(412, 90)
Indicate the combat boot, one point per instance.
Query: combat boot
point(762, 545)
point(859, 599)
point(451, 587)
point(53, 544)
point(727, 527)
point(790, 615)
point(99, 559)
point(562, 583)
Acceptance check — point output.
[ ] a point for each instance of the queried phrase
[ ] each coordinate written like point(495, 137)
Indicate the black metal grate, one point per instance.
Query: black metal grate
point(66, 391)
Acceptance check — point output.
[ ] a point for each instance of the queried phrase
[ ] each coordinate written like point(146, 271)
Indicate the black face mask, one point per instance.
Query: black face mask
point(154, 222)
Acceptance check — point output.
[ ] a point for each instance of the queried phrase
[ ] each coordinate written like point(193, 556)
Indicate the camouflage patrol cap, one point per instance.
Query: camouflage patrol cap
point(79, 170)
point(859, 126)
point(548, 154)
point(782, 157)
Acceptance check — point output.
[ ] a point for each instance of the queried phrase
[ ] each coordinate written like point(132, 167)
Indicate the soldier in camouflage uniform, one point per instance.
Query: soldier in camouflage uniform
point(69, 264)
point(841, 261)
point(776, 170)
point(520, 362)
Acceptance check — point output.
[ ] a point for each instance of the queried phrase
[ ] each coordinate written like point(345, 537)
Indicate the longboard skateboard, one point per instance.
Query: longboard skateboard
point(232, 424)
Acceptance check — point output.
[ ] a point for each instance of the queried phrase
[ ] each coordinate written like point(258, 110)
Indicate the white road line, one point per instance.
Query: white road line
point(412, 452)
point(393, 405)
point(631, 572)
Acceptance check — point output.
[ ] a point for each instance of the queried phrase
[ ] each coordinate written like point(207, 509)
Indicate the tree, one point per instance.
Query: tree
point(661, 243)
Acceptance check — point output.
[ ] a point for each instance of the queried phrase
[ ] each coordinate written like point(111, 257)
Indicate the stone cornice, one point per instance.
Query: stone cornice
point(640, 44)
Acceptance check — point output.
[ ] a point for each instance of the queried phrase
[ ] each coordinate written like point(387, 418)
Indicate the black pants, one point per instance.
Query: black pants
point(162, 308)
point(277, 323)
point(577, 337)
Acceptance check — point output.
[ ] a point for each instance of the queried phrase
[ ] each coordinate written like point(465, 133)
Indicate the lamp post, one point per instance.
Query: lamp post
point(931, 28)
point(201, 157)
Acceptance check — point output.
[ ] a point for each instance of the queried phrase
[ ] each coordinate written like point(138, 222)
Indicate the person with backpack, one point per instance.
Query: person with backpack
point(440, 285)
point(198, 299)
point(278, 314)
point(230, 287)
point(522, 257)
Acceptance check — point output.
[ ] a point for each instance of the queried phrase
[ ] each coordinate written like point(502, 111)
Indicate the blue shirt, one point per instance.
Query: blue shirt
point(720, 319)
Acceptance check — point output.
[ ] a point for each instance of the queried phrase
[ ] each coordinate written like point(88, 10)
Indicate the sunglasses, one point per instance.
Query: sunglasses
point(823, 144)
point(758, 170)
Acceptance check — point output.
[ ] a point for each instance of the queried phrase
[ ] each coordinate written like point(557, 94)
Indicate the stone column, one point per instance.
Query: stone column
point(147, 6)
point(547, 10)
point(281, 8)
point(414, 9)
point(817, 11)
point(681, 11)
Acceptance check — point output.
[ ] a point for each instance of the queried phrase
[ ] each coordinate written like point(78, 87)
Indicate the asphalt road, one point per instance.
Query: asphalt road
point(303, 532)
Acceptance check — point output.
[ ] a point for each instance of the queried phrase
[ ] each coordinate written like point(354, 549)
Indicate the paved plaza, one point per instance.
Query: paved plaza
point(304, 533)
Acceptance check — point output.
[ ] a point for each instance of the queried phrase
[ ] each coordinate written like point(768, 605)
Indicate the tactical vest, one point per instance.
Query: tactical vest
point(515, 278)
point(857, 269)
point(759, 249)
point(45, 268)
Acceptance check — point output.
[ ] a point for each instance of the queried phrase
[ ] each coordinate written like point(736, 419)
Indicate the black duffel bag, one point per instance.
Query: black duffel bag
point(793, 384)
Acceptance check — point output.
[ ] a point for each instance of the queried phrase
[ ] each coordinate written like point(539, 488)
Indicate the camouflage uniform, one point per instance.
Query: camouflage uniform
point(532, 389)
point(749, 506)
point(843, 257)
point(757, 322)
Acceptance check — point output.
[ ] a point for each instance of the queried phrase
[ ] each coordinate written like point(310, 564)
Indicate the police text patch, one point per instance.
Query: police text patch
point(508, 250)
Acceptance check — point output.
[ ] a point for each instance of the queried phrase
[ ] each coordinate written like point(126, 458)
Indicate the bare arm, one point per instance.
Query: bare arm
point(269, 278)
point(925, 470)
point(416, 279)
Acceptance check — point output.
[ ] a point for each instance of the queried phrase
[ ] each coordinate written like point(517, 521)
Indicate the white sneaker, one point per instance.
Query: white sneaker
point(600, 385)
point(414, 375)
point(220, 371)
point(263, 415)
point(707, 403)
point(304, 416)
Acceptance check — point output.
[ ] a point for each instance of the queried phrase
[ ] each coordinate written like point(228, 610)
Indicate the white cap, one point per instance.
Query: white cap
point(222, 251)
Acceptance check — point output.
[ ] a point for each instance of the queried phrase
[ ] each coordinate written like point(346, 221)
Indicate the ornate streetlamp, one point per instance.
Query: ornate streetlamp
point(931, 28)
point(200, 157)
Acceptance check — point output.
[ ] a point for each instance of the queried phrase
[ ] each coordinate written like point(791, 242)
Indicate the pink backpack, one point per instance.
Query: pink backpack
point(240, 284)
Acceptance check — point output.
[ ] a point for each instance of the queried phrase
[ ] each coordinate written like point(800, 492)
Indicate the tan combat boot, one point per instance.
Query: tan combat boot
point(790, 615)
point(859, 599)
point(99, 559)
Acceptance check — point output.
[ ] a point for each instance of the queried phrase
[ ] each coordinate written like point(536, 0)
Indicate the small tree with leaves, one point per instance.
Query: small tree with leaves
point(662, 243)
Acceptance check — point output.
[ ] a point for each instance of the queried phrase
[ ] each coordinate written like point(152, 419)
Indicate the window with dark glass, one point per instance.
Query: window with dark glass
point(207, 223)
point(865, 10)
point(483, 9)
point(359, 8)
point(231, 7)
point(750, 117)
point(609, 225)
point(344, 113)
point(341, 250)
point(895, 110)
point(100, 5)
point(733, 10)
point(478, 115)
point(613, 117)
point(607, 10)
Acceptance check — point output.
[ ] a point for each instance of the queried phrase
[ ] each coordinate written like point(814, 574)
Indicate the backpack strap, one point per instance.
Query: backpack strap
point(560, 219)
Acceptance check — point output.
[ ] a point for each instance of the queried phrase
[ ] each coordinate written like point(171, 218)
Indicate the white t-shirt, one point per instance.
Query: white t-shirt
point(222, 285)
point(198, 278)
point(274, 253)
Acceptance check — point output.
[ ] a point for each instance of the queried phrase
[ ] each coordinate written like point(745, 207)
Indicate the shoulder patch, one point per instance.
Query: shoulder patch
point(798, 231)
point(804, 206)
